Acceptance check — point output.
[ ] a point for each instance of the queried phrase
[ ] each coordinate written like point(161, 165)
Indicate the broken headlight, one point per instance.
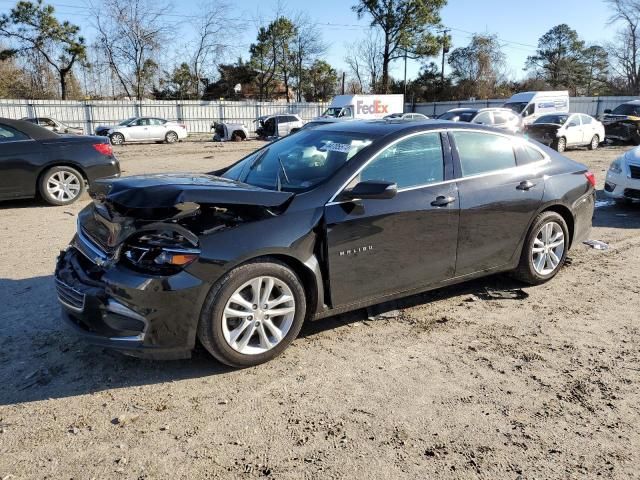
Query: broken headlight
point(616, 166)
point(160, 252)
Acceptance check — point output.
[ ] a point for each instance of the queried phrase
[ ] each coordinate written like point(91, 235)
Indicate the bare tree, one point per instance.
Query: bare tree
point(307, 48)
point(213, 31)
point(625, 50)
point(131, 37)
point(365, 61)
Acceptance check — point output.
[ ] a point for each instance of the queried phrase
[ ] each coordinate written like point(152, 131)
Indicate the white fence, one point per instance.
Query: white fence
point(198, 115)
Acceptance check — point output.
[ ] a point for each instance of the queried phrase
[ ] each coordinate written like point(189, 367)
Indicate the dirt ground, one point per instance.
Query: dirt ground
point(445, 384)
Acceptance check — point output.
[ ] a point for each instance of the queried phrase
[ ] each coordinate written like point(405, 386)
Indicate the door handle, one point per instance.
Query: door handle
point(443, 201)
point(526, 185)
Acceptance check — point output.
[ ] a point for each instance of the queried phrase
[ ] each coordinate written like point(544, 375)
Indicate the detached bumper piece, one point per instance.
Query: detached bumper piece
point(124, 310)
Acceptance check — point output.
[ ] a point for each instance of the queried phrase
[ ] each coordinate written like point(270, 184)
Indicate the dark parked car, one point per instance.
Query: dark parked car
point(34, 160)
point(623, 122)
point(325, 221)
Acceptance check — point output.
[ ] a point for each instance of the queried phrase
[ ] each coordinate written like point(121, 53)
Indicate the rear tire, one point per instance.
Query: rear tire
point(533, 269)
point(238, 136)
point(171, 137)
point(217, 327)
point(595, 143)
point(61, 185)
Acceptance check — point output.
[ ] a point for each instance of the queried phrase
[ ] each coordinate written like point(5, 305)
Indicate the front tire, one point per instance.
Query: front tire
point(61, 185)
point(545, 249)
point(252, 313)
point(116, 138)
point(560, 145)
point(595, 142)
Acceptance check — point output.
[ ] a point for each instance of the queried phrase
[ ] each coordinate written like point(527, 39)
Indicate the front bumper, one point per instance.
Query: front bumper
point(140, 315)
point(621, 186)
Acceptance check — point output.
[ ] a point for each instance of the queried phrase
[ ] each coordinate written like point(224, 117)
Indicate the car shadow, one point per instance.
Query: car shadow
point(40, 358)
point(612, 214)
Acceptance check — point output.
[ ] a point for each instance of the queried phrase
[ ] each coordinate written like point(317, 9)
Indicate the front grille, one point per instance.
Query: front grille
point(69, 296)
point(632, 193)
point(635, 171)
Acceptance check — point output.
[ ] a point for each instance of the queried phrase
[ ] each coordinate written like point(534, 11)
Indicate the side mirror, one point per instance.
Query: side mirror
point(607, 111)
point(371, 190)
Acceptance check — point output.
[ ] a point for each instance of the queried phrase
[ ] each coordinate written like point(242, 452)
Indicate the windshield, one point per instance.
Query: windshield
point(627, 109)
point(517, 107)
point(127, 121)
point(300, 162)
point(332, 112)
point(459, 116)
point(556, 119)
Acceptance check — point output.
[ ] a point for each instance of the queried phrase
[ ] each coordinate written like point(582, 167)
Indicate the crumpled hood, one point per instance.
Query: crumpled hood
point(611, 118)
point(170, 190)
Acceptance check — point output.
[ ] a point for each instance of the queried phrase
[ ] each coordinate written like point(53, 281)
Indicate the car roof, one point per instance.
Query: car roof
point(631, 102)
point(460, 110)
point(34, 131)
point(382, 128)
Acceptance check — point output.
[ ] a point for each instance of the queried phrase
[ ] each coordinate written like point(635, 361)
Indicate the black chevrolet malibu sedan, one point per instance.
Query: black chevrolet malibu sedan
point(325, 221)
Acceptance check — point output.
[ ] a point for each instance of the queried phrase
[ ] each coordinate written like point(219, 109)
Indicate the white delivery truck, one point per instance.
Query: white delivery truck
point(364, 107)
point(531, 105)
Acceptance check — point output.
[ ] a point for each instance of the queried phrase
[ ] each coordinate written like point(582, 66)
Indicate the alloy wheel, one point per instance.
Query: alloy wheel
point(117, 139)
point(258, 315)
point(172, 137)
point(548, 248)
point(64, 186)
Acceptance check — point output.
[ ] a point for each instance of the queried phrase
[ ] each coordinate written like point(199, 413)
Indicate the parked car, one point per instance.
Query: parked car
point(224, 132)
point(623, 177)
point(561, 131)
point(501, 118)
point(285, 124)
point(34, 160)
point(143, 129)
point(406, 116)
point(319, 122)
point(55, 125)
point(623, 122)
point(318, 223)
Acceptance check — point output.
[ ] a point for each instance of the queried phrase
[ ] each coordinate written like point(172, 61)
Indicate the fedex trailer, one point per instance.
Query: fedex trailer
point(364, 107)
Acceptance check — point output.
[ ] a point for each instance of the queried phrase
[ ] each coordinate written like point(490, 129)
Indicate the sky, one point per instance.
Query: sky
point(518, 24)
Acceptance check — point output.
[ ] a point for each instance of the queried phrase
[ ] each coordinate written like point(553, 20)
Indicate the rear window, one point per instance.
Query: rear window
point(483, 152)
point(10, 134)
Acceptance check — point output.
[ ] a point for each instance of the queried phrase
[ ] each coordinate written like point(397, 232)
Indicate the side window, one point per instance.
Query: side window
point(499, 118)
point(527, 154)
point(483, 118)
point(483, 152)
point(142, 122)
point(346, 112)
point(415, 161)
point(9, 134)
point(574, 121)
point(586, 119)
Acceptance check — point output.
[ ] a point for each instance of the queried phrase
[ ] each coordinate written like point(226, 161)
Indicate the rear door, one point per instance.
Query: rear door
point(20, 159)
point(157, 129)
point(378, 247)
point(498, 198)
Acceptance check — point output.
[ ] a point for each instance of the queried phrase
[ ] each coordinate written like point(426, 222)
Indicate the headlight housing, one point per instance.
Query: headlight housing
point(616, 166)
point(163, 252)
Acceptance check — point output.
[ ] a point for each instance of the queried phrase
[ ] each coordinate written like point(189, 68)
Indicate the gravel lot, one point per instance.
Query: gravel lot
point(441, 384)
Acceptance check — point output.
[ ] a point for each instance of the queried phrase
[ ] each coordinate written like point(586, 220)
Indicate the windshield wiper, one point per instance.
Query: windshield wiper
point(284, 172)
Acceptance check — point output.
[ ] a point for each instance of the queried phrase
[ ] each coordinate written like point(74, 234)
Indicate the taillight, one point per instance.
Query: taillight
point(591, 178)
point(103, 148)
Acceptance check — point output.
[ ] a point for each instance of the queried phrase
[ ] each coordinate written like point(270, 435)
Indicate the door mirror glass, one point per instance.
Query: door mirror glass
point(371, 190)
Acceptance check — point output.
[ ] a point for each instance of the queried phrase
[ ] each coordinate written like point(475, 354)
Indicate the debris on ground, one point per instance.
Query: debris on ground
point(596, 244)
point(503, 294)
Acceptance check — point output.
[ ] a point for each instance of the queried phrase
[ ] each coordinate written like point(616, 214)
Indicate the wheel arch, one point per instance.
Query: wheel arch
point(565, 213)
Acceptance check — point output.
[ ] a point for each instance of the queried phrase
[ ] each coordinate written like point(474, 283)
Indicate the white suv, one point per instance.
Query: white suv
point(286, 123)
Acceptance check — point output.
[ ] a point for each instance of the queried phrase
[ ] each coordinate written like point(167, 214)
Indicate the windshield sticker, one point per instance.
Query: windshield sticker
point(336, 147)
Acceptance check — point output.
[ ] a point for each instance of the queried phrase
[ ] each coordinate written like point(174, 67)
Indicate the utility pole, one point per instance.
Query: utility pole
point(343, 78)
point(405, 73)
point(445, 50)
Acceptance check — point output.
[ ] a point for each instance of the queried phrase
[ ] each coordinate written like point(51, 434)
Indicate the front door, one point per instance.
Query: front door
point(573, 131)
point(139, 130)
point(378, 247)
point(497, 199)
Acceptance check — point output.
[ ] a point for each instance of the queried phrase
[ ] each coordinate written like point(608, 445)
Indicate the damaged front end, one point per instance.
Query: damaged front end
point(545, 133)
point(126, 279)
point(623, 128)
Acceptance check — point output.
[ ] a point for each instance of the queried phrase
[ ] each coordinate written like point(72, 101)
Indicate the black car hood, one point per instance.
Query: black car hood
point(611, 118)
point(170, 190)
